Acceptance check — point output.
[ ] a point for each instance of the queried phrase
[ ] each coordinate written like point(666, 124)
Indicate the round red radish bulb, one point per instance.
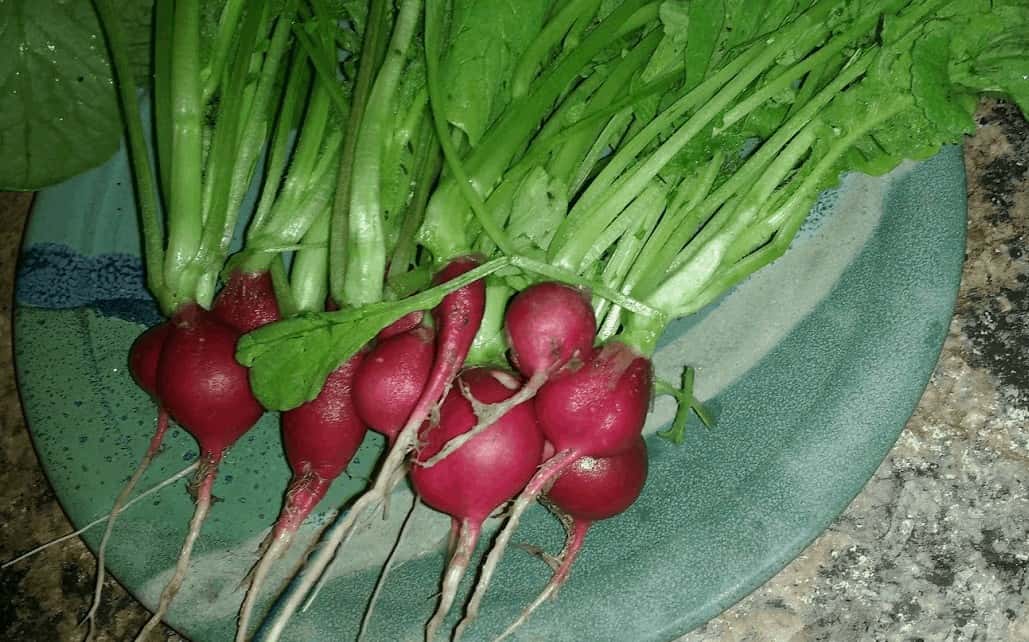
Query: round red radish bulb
point(201, 384)
point(488, 470)
point(599, 408)
point(547, 325)
point(391, 378)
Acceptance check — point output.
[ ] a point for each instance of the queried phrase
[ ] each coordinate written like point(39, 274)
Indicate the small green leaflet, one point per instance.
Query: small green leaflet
point(290, 360)
point(58, 113)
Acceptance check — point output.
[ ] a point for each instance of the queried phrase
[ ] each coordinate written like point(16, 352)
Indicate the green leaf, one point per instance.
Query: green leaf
point(705, 25)
point(487, 39)
point(931, 87)
point(538, 209)
point(58, 109)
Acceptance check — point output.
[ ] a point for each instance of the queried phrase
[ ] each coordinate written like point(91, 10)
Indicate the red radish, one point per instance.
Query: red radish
point(320, 438)
point(590, 490)
point(144, 356)
point(487, 471)
point(409, 321)
point(204, 388)
point(595, 409)
point(457, 318)
point(247, 301)
point(549, 326)
point(390, 380)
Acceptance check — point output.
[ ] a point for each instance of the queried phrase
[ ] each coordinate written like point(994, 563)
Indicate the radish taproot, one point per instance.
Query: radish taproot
point(488, 470)
point(593, 409)
point(320, 438)
point(590, 490)
point(207, 392)
point(144, 356)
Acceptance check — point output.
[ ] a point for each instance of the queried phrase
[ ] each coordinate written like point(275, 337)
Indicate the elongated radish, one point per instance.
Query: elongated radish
point(548, 325)
point(487, 471)
point(320, 438)
point(391, 378)
point(208, 393)
point(590, 490)
point(594, 410)
point(457, 320)
point(247, 301)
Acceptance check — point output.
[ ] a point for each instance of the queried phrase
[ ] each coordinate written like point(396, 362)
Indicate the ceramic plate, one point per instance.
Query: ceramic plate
point(813, 366)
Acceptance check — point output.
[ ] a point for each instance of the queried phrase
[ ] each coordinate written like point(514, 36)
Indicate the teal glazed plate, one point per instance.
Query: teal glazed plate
point(812, 366)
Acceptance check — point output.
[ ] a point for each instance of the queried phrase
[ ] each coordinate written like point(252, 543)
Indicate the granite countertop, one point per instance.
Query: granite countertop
point(936, 547)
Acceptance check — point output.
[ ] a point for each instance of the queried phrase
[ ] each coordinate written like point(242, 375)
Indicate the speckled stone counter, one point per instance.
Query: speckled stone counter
point(936, 547)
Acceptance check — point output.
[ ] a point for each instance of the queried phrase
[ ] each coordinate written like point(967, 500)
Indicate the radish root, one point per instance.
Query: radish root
point(547, 473)
point(123, 496)
point(366, 620)
point(203, 505)
point(279, 543)
point(452, 577)
point(576, 536)
point(100, 520)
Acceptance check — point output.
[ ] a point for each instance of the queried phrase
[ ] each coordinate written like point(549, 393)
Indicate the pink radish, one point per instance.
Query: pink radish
point(207, 392)
point(391, 378)
point(320, 438)
point(487, 471)
point(594, 409)
point(457, 318)
point(144, 356)
point(590, 490)
point(549, 326)
point(247, 301)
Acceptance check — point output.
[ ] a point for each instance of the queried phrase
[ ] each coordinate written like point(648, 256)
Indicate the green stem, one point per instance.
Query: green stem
point(547, 38)
point(366, 253)
point(431, 163)
point(185, 223)
point(228, 24)
point(372, 50)
point(297, 85)
point(142, 171)
point(309, 273)
point(163, 21)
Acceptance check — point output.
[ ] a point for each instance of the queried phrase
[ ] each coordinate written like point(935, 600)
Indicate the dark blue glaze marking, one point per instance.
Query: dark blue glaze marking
point(55, 276)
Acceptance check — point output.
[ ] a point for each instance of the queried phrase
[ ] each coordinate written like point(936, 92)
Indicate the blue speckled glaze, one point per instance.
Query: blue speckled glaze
point(802, 425)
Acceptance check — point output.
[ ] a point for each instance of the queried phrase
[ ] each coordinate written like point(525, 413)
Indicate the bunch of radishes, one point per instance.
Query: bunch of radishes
point(566, 421)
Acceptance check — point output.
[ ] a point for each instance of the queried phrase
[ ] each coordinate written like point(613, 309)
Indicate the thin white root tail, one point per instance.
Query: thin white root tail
point(367, 619)
point(203, 506)
point(398, 476)
point(486, 415)
point(279, 545)
point(539, 483)
point(576, 536)
point(452, 577)
point(123, 496)
point(100, 520)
